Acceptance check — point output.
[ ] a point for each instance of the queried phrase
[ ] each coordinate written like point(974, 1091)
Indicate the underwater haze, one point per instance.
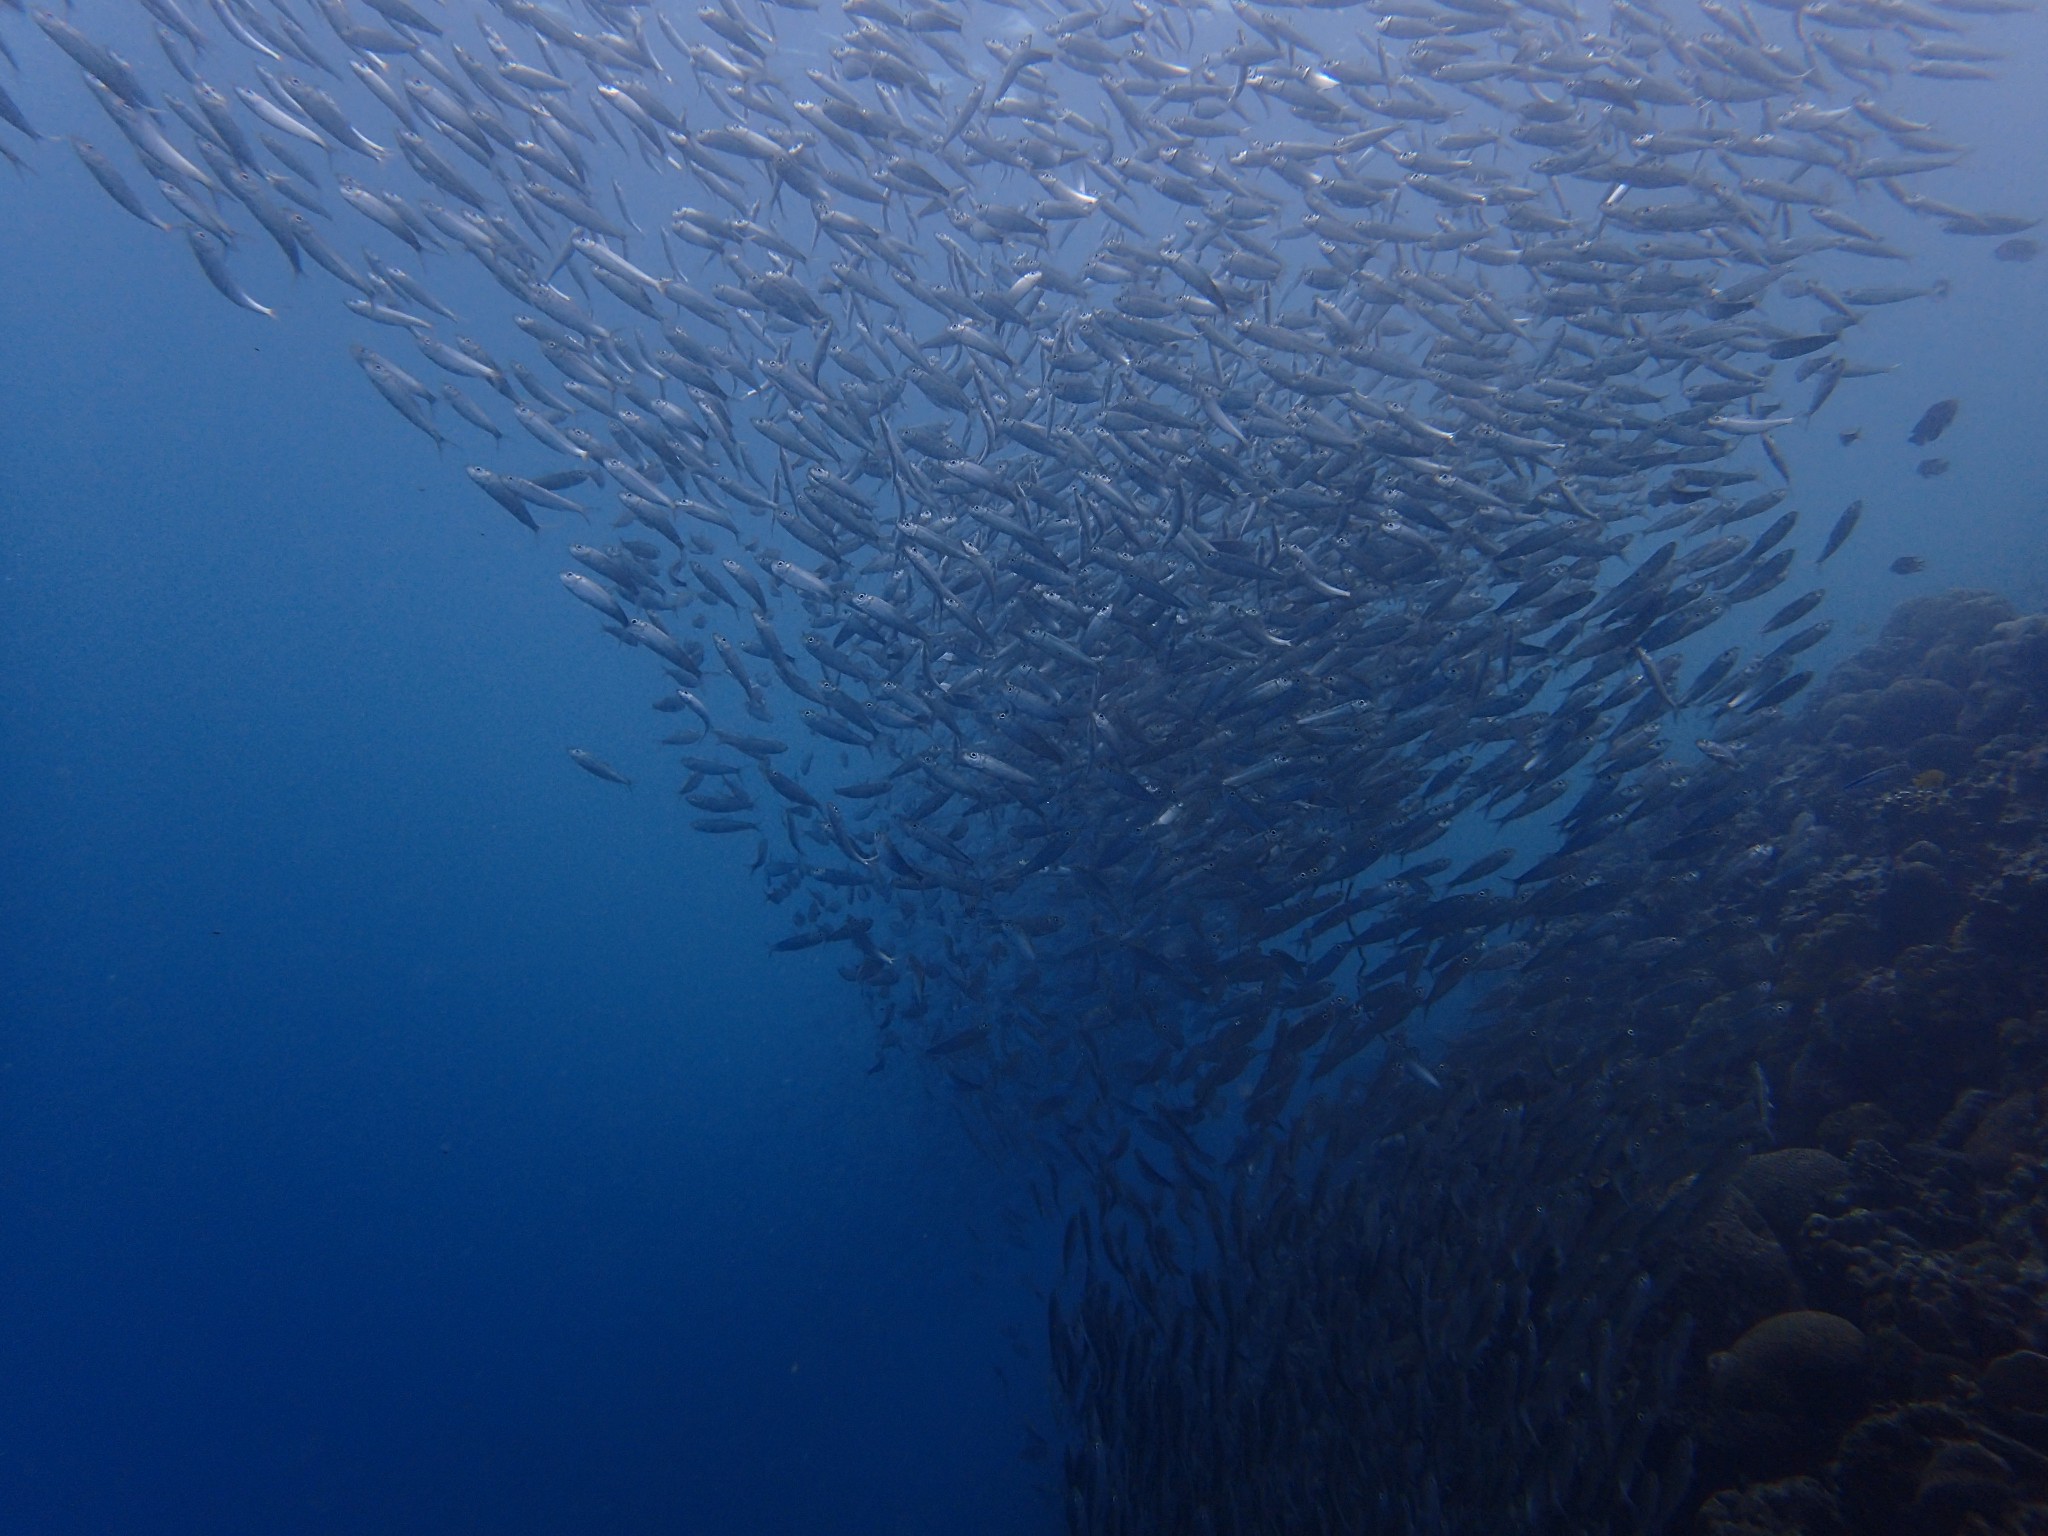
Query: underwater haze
point(401, 1130)
point(1269, 833)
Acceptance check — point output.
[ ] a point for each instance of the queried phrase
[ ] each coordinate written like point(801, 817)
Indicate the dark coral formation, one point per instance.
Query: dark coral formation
point(1936, 1246)
point(1915, 1063)
point(1730, 1216)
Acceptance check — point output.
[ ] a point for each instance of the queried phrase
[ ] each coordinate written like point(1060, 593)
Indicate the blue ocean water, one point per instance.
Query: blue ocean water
point(399, 1129)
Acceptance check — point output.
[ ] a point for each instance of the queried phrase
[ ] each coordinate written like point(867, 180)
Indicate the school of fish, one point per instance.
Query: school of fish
point(1102, 493)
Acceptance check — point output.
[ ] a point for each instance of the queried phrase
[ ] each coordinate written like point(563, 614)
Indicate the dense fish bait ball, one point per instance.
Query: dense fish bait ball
point(1109, 495)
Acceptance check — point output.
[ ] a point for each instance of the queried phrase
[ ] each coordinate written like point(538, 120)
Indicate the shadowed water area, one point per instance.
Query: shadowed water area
point(1342, 823)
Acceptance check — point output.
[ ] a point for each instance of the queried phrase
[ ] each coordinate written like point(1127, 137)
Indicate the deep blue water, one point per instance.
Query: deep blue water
point(400, 1129)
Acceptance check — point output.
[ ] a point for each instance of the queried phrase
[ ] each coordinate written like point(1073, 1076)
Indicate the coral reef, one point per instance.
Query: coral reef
point(1911, 1207)
point(1729, 1214)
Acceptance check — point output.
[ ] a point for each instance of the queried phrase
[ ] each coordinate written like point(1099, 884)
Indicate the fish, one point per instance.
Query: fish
point(1839, 534)
point(212, 257)
point(1930, 469)
point(1908, 565)
point(1933, 421)
point(403, 393)
point(1794, 611)
point(507, 492)
point(105, 66)
point(470, 411)
point(597, 596)
point(1481, 867)
point(597, 767)
point(103, 171)
point(15, 118)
